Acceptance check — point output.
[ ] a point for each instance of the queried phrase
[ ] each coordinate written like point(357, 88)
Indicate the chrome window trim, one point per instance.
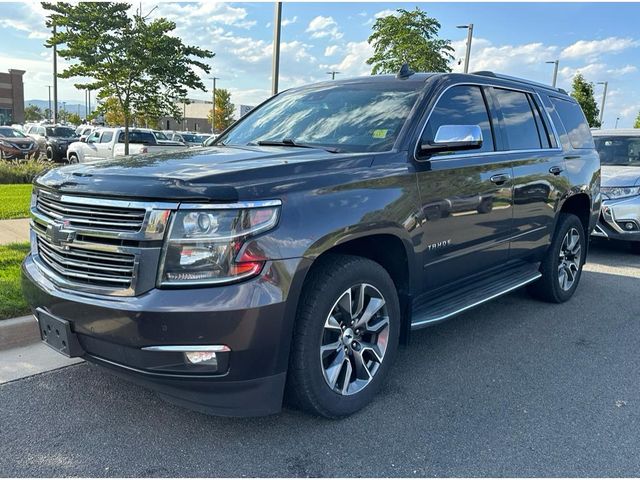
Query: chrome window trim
point(493, 85)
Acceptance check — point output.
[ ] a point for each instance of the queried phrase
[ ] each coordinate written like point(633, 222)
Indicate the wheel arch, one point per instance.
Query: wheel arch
point(579, 205)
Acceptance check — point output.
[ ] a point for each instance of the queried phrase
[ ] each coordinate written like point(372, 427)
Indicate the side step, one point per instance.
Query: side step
point(441, 306)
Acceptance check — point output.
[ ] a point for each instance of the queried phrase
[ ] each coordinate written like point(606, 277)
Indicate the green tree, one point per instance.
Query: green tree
point(582, 91)
point(637, 123)
point(32, 113)
point(410, 37)
point(74, 119)
point(224, 110)
point(138, 62)
point(114, 115)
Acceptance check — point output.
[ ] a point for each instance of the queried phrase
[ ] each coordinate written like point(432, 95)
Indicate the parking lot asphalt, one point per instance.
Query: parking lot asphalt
point(514, 388)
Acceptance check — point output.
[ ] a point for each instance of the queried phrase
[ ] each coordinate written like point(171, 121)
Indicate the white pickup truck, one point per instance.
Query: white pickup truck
point(107, 143)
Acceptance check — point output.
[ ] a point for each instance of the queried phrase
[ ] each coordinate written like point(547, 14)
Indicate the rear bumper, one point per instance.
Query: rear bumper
point(254, 319)
point(619, 220)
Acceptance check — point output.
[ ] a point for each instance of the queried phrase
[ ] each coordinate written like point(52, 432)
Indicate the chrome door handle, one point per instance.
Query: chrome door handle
point(500, 178)
point(556, 170)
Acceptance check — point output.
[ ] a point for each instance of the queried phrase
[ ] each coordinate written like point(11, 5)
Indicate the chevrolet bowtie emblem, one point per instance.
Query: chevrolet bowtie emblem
point(58, 233)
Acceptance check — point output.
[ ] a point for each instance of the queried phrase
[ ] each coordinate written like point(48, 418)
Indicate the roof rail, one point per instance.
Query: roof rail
point(486, 73)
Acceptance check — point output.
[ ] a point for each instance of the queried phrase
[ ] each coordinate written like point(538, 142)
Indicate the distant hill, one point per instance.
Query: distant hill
point(72, 107)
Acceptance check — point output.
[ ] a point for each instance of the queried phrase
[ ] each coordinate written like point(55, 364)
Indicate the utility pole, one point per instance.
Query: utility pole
point(604, 99)
point(184, 114)
point(89, 100)
point(49, 114)
point(213, 111)
point(469, 38)
point(617, 120)
point(333, 74)
point(555, 72)
point(55, 80)
point(86, 104)
point(275, 65)
point(64, 110)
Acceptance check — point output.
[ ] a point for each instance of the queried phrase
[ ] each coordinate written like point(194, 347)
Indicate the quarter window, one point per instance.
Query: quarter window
point(461, 105)
point(519, 123)
point(574, 122)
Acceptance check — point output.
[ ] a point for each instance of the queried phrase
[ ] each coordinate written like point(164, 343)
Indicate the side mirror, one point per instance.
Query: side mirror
point(83, 138)
point(454, 138)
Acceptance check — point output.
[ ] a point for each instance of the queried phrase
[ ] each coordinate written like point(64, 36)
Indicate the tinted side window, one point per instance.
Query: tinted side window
point(106, 137)
point(520, 125)
point(574, 122)
point(461, 105)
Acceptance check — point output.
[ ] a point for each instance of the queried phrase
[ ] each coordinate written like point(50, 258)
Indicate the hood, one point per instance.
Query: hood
point(63, 139)
point(21, 142)
point(620, 176)
point(212, 173)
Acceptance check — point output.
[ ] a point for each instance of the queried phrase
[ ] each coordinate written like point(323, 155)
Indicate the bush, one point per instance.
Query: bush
point(21, 171)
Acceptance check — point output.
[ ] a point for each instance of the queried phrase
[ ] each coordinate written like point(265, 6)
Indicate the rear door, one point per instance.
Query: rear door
point(538, 165)
point(466, 197)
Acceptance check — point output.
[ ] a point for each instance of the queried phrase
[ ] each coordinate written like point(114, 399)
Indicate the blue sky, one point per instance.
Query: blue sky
point(602, 40)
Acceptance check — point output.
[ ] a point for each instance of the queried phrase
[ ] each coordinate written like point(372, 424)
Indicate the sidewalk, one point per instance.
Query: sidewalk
point(12, 231)
point(23, 362)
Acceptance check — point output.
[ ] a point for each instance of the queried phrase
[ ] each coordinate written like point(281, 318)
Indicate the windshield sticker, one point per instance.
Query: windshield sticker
point(382, 133)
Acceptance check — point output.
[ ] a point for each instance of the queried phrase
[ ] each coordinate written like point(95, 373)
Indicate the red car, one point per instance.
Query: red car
point(15, 145)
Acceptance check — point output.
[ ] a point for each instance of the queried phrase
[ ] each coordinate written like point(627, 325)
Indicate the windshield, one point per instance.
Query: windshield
point(349, 117)
point(191, 138)
point(160, 136)
point(11, 133)
point(618, 150)
point(60, 132)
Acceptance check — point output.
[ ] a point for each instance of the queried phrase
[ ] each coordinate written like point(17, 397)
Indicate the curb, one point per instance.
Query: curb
point(17, 332)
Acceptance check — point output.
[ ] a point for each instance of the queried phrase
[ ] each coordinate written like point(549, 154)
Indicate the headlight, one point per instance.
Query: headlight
point(620, 192)
point(203, 245)
point(6, 144)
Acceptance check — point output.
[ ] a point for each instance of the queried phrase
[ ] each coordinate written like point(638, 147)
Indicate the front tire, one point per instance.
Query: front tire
point(73, 159)
point(562, 266)
point(345, 336)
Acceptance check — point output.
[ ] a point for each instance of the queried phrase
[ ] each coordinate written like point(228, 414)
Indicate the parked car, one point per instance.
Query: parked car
point(53, 140)
point(192, 139)
point(15, 145)
point(620, 156)
point(83, 131)
point(107, 143)
point(296, 253)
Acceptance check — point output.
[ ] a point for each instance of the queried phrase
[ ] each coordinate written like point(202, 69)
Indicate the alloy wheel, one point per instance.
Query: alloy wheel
point(354, 339)
point(569, 259)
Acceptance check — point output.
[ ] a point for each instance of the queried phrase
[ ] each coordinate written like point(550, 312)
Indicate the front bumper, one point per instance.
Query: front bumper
point(11, 153)
point(253, 318)
point(619, 219)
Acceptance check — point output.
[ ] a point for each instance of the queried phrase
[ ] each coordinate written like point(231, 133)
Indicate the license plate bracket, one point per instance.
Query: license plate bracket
point(56, 333)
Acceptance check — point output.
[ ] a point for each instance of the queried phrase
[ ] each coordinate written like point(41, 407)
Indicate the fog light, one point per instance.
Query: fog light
point(202, 358)
point(630, 226)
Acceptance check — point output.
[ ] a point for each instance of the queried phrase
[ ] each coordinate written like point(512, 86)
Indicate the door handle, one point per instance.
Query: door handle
point(500, 178)
point(557, 170)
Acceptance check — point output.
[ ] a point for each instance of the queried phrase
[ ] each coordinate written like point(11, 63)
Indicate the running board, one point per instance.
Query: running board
point(443, 306)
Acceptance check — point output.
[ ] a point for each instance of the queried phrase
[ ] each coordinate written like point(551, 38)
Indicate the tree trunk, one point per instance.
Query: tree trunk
point(126, 134)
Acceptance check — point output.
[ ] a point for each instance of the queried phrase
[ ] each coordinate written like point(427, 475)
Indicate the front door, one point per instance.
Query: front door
point(466, 197)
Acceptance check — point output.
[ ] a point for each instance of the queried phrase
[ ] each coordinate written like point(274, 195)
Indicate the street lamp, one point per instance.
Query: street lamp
point(333, 74)
point(49, 115)
point(555, 72)
point(469, 38)
point(604, 99)
point(275, 65)
point(617, 120)
point(213, 112)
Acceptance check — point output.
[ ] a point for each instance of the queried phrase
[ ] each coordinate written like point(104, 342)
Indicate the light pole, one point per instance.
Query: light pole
point(49, 115)
point(275, 65)
point(55, 80)
point(604, 99)
point(64, 110)
point(555, 72)
point(333, 74)
point(617, 120)
point(213, 112)
point(469, 38)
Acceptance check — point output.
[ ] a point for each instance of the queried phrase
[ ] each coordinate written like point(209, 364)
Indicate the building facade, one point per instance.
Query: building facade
point(196, 116)
point(11, 97)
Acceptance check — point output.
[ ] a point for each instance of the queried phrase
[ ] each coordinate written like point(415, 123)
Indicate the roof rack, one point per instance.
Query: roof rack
point(486, 73)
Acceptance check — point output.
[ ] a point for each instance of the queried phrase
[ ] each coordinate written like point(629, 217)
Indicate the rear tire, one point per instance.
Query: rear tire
point(345, 336)
point(562, 266)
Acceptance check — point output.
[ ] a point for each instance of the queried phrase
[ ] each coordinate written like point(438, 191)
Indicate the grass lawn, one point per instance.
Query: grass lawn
point(14, 201)
point(12, 303)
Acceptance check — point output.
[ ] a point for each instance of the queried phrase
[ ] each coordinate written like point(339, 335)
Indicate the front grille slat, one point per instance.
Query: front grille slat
point(102, 269)
point(92, 217)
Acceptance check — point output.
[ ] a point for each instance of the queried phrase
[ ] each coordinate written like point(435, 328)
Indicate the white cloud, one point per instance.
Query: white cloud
point(622, 70)
point(289, 21)
point(354, 63)
point(321, 27)
point(331, 50)
point(386, 13)
point(187, 14)
point(592, 48)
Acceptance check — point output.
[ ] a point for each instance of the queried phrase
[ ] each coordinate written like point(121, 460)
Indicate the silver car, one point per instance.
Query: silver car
point(620, 158)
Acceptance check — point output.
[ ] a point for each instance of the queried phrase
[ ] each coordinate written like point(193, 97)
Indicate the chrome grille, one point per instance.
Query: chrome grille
point(101, 269)
point(94, 217)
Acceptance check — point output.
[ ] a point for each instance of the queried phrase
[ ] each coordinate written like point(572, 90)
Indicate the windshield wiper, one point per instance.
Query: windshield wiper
point(290, 142)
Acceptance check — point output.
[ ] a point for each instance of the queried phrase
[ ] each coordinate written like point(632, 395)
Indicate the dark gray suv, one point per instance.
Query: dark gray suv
point(292, 257)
